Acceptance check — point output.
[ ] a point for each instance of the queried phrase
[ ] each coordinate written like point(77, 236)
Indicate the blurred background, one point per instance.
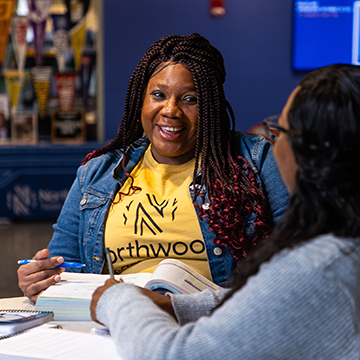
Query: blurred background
point(65, 66)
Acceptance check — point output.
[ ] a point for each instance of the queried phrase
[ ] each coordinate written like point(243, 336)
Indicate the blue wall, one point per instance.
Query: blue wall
point(254, 38)
point(35, 180)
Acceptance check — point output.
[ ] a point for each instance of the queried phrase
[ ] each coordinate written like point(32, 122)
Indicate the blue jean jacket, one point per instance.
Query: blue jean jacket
point(79, 231)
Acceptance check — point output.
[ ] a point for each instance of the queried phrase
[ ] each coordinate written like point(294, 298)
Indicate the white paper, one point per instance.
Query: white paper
point(59, 344)
point(139, 279)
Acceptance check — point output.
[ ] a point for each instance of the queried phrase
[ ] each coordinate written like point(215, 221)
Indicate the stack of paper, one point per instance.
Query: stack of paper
point(72, 306)
point(70, 299)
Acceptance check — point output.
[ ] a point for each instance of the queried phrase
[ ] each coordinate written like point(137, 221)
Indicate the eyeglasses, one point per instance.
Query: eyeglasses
point(272, 127)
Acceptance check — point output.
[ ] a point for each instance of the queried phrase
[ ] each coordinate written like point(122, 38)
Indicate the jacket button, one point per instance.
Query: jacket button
point(206, 206)
point(83, 201)
point(217, 251)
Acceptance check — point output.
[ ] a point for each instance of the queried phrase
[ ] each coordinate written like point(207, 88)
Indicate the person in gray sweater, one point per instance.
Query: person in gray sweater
point(297, 295)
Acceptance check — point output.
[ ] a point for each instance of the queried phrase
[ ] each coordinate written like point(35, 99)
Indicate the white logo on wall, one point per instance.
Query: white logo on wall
point(22, 200)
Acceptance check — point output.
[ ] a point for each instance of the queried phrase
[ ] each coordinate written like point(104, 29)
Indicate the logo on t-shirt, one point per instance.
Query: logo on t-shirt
point(143, 219)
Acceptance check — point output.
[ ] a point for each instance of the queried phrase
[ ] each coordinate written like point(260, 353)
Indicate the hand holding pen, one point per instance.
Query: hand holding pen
point(36, 277)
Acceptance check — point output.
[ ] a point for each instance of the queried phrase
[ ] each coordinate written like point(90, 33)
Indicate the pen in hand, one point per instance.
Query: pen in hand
point(111, 270)
point(65, 264)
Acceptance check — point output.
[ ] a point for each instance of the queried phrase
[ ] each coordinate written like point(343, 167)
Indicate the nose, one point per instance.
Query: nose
point(171, 108)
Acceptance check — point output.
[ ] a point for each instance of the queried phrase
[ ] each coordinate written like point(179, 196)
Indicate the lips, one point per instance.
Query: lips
point(170, 130)
point(170, 133)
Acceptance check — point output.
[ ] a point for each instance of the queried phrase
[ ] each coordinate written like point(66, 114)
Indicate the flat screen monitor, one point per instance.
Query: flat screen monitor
point(325, 32)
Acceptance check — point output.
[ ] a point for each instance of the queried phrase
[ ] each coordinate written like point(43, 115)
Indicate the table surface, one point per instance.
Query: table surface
point(23, 303)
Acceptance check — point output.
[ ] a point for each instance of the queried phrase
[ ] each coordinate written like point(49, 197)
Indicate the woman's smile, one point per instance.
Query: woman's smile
point(169, 132)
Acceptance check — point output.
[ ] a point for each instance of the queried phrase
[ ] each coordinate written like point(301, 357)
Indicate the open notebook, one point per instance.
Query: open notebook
point(70, 299)
point(40, 343)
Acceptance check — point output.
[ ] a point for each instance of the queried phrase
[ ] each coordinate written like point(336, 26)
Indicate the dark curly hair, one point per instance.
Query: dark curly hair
point(324, 123)
point(234, 192)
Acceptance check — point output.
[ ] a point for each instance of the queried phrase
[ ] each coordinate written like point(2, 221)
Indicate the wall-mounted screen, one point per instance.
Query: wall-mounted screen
point(325, 32)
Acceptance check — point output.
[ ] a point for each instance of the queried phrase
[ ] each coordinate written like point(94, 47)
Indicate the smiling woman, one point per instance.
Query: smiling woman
point(177, 181)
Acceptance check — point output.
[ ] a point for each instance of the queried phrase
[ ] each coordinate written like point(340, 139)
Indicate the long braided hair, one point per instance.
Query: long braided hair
point(234, 192)
point(324, 123)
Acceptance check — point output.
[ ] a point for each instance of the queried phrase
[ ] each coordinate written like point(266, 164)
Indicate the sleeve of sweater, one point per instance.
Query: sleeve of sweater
point(192, 307)
point(284, 312)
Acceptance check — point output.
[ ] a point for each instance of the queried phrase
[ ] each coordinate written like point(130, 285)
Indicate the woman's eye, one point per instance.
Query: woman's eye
point(190, 100)
point(157, 95)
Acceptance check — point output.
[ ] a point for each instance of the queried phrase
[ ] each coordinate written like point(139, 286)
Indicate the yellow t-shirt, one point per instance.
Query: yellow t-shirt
point(157, 222)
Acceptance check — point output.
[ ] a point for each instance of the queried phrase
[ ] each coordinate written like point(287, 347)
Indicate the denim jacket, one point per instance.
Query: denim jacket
point(79, 231)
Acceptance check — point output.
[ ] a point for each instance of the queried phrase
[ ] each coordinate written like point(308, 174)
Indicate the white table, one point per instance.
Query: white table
point(23, 303)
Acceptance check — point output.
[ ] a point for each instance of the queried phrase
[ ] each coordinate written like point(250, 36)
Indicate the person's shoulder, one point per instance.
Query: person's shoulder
point(321, 260)
point(104, 161)
point(250, 141)
point(99, 168)
point(252, 146)
point(326, 249)
point(245, 136)
point(326, 254)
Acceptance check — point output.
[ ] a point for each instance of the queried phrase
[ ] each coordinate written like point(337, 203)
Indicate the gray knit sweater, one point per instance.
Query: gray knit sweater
point(303, 304)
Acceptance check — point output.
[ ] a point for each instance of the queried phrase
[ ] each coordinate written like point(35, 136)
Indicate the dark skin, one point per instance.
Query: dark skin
point(35, 278)
point(162, 301)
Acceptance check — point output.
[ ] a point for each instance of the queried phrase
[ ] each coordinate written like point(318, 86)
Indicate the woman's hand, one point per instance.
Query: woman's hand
point(34, 278)
point(162, 301)
point(97, 295)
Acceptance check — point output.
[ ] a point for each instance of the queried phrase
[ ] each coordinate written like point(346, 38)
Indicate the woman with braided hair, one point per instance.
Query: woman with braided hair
point(176, 181)
point(297, 295)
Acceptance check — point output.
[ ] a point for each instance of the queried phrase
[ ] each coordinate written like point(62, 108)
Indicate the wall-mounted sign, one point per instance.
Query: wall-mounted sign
point(68, 126)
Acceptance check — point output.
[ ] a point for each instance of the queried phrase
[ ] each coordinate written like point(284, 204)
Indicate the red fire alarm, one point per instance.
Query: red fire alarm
point(217, 8)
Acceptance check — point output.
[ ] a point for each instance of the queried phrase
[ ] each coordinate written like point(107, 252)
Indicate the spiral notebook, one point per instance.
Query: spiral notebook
point(14, 321)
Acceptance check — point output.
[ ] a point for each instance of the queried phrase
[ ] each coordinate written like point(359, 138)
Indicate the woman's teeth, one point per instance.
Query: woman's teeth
point(170, 129)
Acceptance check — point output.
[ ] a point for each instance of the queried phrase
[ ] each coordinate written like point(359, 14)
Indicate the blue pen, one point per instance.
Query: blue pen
point(65, 264)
